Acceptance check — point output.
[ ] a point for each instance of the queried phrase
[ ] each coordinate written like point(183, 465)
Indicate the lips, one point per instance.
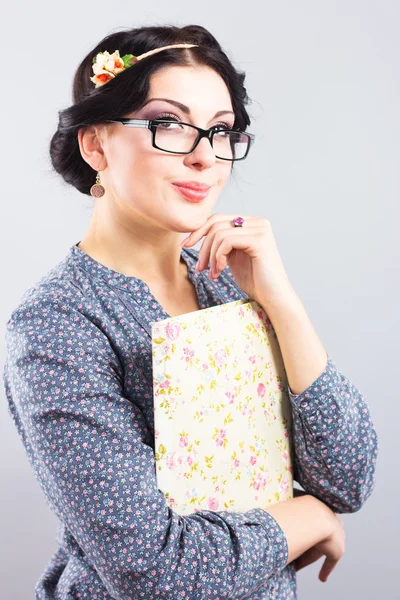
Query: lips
point(192, 194)
point(193, 185)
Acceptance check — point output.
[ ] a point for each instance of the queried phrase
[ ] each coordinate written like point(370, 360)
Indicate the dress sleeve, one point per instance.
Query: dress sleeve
point(335, 441)
point(87, 444)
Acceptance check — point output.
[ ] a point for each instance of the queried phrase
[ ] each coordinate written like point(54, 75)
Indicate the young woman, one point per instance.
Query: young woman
point(153, 134)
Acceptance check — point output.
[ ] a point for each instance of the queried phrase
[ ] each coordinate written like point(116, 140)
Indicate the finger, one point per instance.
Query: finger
point(204, 253)
point(300, 564)
point(308, 557)
point(196, 235)
point(232, 240)
point(223, 242)
point(327, 569)
point(222, 232)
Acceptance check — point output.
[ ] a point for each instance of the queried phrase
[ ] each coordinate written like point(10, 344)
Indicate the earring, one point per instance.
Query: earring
point(97, 190)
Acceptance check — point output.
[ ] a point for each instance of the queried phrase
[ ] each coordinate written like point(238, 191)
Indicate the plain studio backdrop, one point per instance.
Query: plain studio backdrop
point(323, 78)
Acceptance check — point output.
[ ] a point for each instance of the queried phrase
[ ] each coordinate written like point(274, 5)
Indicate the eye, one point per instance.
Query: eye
point(221, 125)
point(166, 116)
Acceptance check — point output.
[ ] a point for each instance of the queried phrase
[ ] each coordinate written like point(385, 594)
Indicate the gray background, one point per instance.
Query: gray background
point(325, 170)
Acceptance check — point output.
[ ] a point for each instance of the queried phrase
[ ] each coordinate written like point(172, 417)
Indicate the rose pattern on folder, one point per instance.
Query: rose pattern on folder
point(222, 411)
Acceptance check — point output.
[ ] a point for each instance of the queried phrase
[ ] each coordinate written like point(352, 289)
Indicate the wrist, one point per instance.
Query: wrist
point(327, 519)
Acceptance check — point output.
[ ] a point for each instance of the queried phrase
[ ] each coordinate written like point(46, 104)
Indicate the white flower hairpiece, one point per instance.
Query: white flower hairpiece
point(106, 66)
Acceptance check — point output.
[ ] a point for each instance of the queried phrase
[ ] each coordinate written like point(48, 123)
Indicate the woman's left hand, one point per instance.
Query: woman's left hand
point(250, 251)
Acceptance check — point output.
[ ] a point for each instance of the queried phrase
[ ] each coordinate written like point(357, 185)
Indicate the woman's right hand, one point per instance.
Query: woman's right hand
point(332, 547)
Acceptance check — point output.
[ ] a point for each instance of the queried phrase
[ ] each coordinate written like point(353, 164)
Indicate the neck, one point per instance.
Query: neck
point(154, 258)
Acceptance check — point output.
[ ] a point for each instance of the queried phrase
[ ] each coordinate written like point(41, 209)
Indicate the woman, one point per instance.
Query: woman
point(78, 372)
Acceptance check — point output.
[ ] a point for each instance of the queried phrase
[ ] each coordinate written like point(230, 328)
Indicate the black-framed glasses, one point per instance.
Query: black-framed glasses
point(178, 137)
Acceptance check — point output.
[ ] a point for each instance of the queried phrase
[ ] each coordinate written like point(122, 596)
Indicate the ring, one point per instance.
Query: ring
point(238, 222)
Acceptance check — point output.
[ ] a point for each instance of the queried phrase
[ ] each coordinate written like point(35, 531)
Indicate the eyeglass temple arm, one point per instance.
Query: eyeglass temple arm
point(146, 123)
point(131, 123)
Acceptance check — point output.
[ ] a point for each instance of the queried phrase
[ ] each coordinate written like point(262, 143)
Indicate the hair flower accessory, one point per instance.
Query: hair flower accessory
point(106, 66)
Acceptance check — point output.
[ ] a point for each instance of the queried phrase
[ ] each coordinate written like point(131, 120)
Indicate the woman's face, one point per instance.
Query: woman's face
point(138, 178)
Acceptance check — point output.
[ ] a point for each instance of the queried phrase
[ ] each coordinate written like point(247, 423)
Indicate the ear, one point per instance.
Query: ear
point(91, 147)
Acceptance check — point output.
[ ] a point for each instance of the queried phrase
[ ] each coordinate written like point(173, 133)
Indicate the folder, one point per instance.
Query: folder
point(222, 412)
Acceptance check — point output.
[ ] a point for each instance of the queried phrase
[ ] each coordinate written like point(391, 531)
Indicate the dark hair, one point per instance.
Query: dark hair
point(128, 91)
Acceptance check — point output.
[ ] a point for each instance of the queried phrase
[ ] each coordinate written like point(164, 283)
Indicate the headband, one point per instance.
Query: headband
point(106, 66)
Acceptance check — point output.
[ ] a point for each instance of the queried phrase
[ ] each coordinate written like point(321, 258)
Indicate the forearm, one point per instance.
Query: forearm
point(330, 415)
point(303, 354)
point(305, 520)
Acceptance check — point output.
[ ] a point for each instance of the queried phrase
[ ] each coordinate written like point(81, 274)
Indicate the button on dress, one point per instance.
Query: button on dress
point(78, 382)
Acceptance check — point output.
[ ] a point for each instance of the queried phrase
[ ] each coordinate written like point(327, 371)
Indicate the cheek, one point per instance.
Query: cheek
point(142, 164)
point(224, 174)
point(129, 151)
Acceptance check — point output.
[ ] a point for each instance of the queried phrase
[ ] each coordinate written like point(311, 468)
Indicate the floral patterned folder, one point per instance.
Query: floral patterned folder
point(222, 411)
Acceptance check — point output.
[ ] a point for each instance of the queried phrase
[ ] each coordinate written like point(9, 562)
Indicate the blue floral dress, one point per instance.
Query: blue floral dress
point(78, 382)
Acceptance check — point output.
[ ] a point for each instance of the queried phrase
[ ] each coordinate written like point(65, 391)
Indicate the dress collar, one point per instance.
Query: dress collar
point(136, 295)
point(117, 279)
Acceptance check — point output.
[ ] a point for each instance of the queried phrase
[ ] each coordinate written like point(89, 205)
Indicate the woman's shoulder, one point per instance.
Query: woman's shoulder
point(54, 283)
point(54, 319)
point(44, 294)
point(67, 284)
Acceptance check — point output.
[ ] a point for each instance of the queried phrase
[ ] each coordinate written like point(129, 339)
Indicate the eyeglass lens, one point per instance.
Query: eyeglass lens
point(176, 137)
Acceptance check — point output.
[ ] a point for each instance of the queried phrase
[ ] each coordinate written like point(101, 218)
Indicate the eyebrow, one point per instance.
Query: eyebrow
point(186, 109)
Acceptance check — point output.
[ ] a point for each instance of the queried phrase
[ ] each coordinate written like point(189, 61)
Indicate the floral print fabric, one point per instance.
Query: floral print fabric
point(78, 382)
point(222, 412)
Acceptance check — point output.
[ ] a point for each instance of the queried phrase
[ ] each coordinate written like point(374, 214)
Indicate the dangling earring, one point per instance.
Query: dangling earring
point(97, 190)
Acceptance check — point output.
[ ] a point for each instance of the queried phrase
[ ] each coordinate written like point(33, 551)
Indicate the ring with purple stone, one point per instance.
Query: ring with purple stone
point(238, 222)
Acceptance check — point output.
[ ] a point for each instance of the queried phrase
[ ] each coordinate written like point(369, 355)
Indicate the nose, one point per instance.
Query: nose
point(203, 153)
